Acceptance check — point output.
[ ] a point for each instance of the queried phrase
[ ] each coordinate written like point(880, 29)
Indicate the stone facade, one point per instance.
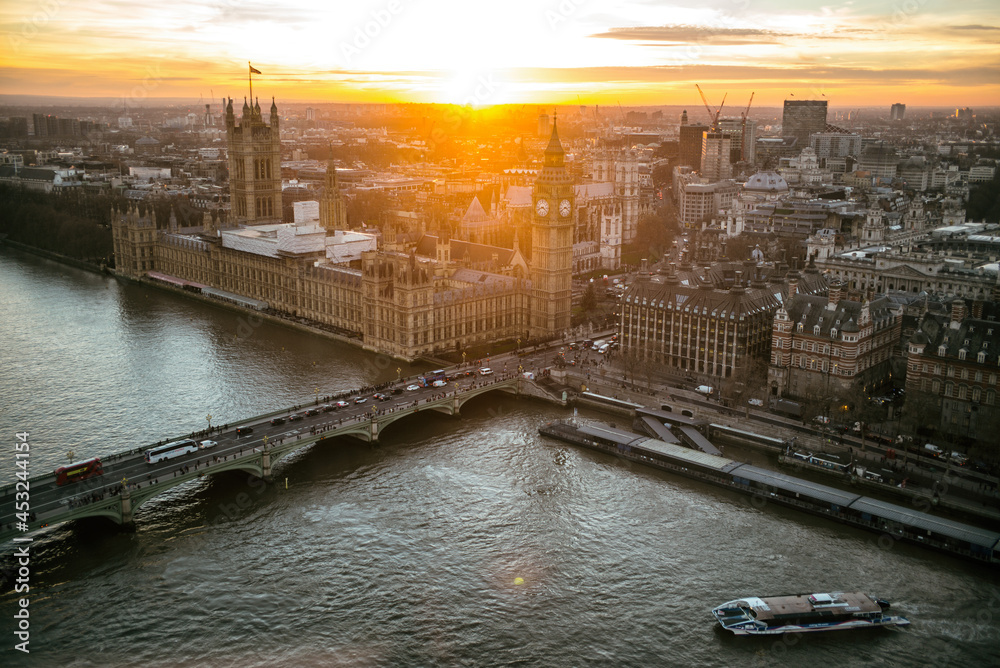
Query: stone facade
point(706, 322)
point(831, 345)
point(435, 295)
point(332, 206)
point(954, 361)
point(254, 165)
point(554, 201)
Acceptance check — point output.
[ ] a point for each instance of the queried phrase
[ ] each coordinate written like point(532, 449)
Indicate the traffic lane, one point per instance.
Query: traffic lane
point(134, 467)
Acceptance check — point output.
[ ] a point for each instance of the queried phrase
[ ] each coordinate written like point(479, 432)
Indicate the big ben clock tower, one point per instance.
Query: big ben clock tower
point(552, 243)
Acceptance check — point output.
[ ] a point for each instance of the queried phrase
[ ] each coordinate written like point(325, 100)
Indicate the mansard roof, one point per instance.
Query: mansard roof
point(971, 334)
point(812, 310)
point(703, 298)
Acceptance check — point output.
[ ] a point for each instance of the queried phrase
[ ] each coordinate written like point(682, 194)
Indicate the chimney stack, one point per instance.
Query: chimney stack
point(957, 313)
point(834, 292)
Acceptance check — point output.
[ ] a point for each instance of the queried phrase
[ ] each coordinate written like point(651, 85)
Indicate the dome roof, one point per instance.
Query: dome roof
point(766, 182)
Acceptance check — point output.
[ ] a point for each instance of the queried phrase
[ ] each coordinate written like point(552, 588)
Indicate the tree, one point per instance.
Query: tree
point(921, 414)
point(631, 361)
point(589, 301)
point(748, 381)
point(652, 237)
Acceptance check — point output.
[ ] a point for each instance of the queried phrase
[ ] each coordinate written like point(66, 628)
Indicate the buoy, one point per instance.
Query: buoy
point(519, 581)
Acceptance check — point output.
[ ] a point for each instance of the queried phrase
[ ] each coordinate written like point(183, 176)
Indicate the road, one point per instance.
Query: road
point(130, 467)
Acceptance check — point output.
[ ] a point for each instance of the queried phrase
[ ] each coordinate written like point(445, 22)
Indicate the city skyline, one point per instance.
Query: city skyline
point(569, 52)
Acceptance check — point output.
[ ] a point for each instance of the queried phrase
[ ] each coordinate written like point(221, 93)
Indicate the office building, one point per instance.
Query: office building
point(830, 346)
point(952, 368)
point(802, 118)
point(715, 150)
point(690, 145)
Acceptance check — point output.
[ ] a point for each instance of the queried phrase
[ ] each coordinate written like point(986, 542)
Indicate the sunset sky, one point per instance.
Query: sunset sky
point(636, 52)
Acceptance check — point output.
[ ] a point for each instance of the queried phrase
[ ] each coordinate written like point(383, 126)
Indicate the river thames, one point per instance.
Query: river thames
point(452, 542)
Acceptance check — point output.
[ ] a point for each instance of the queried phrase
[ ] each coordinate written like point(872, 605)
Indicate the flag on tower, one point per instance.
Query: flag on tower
point(253, 70)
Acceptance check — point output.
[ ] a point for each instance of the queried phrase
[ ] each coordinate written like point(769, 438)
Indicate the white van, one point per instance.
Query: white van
point(933, 450)
point(707, 390)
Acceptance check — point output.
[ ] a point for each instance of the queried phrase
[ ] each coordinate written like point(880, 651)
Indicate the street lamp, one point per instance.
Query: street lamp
point(316, 390)
point(209, 418)
point(463, 358)
point(70, 455)
point(399, 373)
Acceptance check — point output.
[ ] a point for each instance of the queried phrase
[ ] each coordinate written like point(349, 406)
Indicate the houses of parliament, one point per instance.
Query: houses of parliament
point(402, 298)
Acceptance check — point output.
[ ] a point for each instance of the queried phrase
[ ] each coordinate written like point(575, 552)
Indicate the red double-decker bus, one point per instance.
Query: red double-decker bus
point(81, 470)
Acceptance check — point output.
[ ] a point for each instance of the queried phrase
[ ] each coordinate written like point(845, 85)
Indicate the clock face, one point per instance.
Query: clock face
point(565, 208)
point(542, 207)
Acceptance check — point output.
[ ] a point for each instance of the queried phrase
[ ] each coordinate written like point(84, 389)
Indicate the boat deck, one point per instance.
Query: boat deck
point(779, 607)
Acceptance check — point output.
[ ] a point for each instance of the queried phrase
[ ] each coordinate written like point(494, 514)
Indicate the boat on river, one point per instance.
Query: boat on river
point(805, 613)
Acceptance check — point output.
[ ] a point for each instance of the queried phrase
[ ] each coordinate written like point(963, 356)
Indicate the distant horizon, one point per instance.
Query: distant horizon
point(696, 107)
point(635, 53)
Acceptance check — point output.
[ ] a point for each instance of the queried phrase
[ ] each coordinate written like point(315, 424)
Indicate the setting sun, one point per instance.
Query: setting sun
point(591, 52)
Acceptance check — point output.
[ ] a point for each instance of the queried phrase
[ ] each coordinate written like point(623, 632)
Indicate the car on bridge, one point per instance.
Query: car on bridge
point(294, 417)
point(439, 383)
point(312, 411)
point(278, 420)
point(205, 445)
point(359, 400)
point(381, 396)
point(412, 388)
point(486, 371)
point(326, 408)
point(243, 431)
point(342, 404)
point(397, 390)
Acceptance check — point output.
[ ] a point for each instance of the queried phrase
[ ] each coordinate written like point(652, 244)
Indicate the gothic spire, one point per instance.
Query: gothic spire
point(554, 153)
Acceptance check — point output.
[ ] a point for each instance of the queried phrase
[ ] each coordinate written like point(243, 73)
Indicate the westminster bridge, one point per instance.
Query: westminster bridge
point(254, 446)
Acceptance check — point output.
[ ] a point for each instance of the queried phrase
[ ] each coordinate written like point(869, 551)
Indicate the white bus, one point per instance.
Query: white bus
point(171, 450)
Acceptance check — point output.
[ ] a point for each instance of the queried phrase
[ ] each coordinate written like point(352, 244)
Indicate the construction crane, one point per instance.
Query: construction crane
point(713, 116)
point(743, 130)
